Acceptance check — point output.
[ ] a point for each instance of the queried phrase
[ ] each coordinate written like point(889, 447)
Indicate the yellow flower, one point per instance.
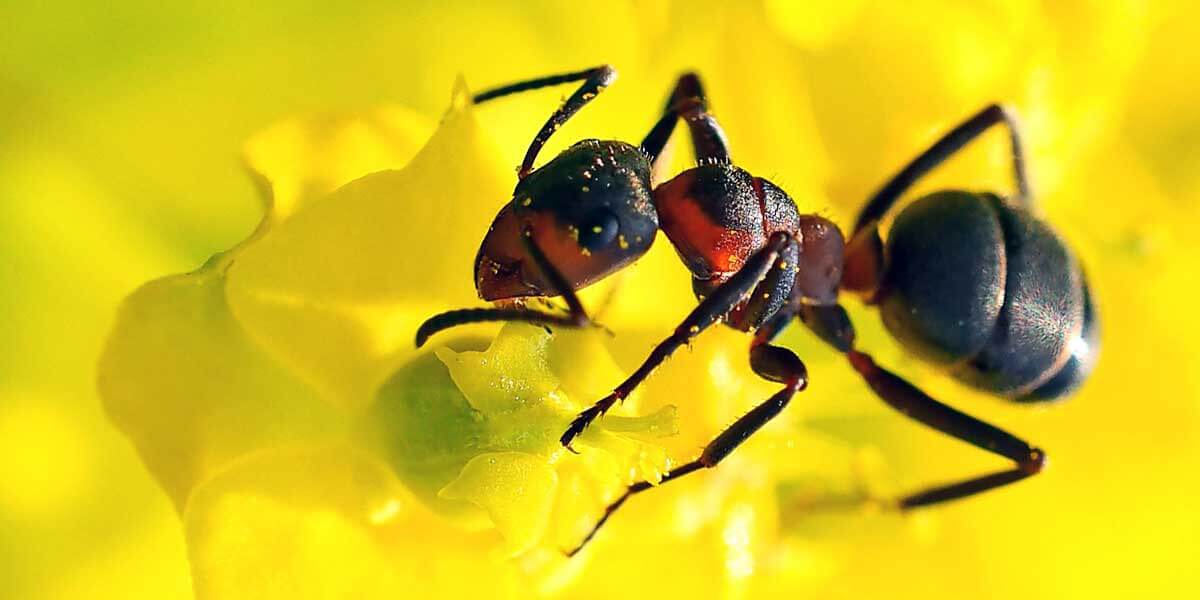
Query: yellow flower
point(293, 351)
point(309, 451)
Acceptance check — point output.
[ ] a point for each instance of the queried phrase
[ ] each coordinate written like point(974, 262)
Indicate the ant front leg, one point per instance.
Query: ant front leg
point(831, 324)
point(773, 363)
point(944, 148)
point(712, 309)
point(595, 81)
point(576, 316)
point(688, 102)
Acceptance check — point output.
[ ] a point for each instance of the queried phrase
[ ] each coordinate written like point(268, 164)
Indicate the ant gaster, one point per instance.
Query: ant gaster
point(969, 281)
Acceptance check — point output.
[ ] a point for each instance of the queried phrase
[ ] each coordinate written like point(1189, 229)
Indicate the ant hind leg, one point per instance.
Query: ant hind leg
point(944, 148)
point(831, 324)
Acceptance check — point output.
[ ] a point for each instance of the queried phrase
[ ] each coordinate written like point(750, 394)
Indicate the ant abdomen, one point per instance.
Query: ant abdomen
point(987, 290)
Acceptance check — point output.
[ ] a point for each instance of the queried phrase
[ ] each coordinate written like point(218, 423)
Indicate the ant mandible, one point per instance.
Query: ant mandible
point(971, 282)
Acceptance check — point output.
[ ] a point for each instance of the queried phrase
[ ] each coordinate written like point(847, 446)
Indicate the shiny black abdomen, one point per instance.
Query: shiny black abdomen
point(990, 293)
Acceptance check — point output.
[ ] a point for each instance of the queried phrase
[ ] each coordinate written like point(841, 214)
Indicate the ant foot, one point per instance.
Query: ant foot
point(581, 422)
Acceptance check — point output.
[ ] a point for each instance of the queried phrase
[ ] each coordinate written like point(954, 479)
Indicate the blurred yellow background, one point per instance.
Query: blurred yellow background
point(120, 132)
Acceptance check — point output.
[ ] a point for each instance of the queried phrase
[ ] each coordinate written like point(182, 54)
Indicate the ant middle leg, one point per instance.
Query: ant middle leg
point(576, 316)
point(713, 308)
point(773, 363)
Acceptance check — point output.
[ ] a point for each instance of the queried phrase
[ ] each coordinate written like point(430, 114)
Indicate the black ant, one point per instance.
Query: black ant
point(969, 281)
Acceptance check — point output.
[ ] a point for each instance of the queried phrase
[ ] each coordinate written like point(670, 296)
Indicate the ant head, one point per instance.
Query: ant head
point(589, 211)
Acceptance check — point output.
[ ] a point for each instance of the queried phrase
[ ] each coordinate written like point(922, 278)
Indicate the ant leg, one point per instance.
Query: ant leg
point(688, 102)
point(576, 317)
point(710, 310)
point(773, 363)
point(917, 405)
point(832, 324)
point(951, 142)
point(596, 79)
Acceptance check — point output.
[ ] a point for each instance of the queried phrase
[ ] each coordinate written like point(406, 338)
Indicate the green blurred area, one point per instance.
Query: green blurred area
point(120, 125)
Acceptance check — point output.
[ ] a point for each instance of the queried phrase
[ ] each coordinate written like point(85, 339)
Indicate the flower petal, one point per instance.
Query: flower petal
point(338, 290)
point(526, 378)
point(323, 522)
point(516, 490)
point(180, 378)
point(302, 159)
point(477, 429)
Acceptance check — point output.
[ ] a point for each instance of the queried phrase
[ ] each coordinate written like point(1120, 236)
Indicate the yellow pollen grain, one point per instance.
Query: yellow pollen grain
point(526, 201)
point(623, 243)
point(585, 252)
point(587, 189)
point(597, 229)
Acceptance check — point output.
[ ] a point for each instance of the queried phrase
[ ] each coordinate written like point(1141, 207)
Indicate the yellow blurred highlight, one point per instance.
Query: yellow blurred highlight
point(813, 24)
point(45, 466)
point(739, 561)
point(119, 133)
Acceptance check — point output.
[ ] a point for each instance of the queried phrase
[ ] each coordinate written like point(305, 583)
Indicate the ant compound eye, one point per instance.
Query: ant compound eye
point(599, 230)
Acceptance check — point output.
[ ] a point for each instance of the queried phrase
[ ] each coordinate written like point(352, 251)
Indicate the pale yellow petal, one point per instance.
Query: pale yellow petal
point(324, 522)
point(302, 159)
point(182, 380)
point(444, 409)
point(338, 290)
point(515, 489)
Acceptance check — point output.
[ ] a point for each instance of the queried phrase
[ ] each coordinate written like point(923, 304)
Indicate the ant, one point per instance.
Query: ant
point(971, 282)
